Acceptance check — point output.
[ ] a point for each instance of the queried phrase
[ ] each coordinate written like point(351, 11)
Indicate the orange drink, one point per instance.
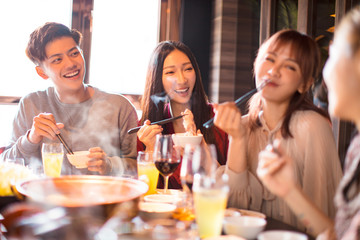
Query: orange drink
point(147, 171)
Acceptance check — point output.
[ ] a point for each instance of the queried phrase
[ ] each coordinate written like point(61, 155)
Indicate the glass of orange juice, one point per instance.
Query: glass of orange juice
point(147, 170)
point(210, 199)
point(52, 157)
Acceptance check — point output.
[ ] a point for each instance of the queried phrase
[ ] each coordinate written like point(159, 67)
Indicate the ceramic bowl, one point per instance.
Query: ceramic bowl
point(244, 226)
point(281, 235)
point(162, 198)
point(154, 210)
point(181, 139)
point(79, 159)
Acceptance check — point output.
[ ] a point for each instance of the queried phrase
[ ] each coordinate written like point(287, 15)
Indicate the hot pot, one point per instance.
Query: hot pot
point(105, 196)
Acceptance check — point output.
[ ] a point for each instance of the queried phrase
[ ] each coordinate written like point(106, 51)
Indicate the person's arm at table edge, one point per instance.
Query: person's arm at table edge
point(313, 219)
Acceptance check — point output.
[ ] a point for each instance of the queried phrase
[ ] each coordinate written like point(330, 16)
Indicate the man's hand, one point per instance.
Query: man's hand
point(44, 125)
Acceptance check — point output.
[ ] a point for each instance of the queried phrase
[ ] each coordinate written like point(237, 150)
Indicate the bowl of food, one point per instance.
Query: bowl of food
point(181, 139)
point(244, 226)
point(155, 210)
point(282, 235)
point(79, 159)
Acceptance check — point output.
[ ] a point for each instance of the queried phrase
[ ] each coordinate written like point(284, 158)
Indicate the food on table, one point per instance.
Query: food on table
point(11, 173)
point(189, 125)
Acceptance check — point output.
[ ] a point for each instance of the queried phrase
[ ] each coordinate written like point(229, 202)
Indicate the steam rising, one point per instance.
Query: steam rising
point(159, 97)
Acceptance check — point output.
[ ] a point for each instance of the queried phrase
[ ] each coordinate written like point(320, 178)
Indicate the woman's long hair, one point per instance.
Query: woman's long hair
point(154, 98)
point(306, 53)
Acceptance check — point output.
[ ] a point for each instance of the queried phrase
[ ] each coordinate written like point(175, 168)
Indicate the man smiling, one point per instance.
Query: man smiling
point(86, 117)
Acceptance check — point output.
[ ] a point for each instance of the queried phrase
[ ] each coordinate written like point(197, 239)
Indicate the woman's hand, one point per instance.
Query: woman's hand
point(275, 170)
point(44, 125)
point(228, 118)
point(99, 161)
point(147, 134)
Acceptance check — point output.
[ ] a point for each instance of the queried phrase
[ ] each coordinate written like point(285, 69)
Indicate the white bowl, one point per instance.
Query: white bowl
point(281, 235)
point(180, 139)
point(152, 210)
point(162, 198)
point(244, 226)
point(79, 159)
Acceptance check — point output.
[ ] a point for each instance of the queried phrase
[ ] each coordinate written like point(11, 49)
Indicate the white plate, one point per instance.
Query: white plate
point(243, 212)
point(281, 235)
point(162, 198)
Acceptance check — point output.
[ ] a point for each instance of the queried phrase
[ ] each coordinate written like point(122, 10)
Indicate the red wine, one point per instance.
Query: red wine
point(166, 168)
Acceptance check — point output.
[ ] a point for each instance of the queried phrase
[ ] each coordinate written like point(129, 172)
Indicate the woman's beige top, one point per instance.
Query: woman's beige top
point(316, 168)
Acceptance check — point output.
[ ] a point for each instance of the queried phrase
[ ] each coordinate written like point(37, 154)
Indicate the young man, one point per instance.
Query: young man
point(86, 117)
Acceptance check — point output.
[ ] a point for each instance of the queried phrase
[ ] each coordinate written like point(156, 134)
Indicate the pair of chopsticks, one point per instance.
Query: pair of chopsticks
point(161, 122)
point(68, 149)
point(240, 100)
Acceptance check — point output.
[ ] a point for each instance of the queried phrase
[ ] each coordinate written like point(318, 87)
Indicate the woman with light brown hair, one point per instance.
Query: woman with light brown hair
point(342, 77)
point(282, 110)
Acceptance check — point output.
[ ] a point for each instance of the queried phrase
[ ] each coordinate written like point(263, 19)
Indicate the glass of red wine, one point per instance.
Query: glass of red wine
point(166, 157)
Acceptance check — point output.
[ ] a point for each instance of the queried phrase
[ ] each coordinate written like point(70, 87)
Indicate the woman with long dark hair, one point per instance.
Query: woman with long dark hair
point(173, 84)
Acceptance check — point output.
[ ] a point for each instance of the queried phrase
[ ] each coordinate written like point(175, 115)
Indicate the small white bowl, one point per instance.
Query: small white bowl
point(180, 139)
point(79, 159)
point(244, 226)
point(152, 210)
point(162, 198)
point(281, 235)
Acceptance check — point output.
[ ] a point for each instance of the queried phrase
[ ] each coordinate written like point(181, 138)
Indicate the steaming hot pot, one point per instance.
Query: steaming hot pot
point(104, 195)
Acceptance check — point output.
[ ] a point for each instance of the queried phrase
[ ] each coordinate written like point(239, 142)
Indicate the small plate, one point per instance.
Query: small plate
point(244, 212)
point(162, 198)
point(282, 235)
point(169, 191)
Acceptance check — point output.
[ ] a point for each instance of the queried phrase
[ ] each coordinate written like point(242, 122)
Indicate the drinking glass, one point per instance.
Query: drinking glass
point(185, 207)
point(187, 170)
point(147, 170)
point(52, 157)
point(167, 158)
point(210, 198)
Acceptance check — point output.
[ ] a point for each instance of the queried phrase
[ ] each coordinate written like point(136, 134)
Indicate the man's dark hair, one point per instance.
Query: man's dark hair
point(45, 34)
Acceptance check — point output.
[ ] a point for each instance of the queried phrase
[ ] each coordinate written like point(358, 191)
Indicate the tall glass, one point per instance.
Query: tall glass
point(210, 199)
point(147, 170)
point(185, 207)
point(52, 157)
point(166, 157)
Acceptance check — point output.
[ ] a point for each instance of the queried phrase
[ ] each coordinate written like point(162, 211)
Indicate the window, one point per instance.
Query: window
point(124, 33)
point(18, 18)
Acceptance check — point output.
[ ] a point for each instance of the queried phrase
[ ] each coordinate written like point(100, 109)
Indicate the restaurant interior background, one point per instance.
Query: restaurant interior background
point(119, 37)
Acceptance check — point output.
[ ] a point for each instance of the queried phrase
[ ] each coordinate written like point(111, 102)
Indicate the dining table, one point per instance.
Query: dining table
point(273, 224)
point(129, 230)
point(134, 229)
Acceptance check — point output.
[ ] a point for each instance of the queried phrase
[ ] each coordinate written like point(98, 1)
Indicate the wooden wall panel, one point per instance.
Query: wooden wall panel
point(223, 53)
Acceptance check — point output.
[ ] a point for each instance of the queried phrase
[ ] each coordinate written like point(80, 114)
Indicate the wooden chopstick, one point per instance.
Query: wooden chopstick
point(161, 122)
point(68, 149)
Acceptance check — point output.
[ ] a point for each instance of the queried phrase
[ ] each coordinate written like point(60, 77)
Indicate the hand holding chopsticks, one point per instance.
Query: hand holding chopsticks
point(240, 100)
point(162, 122)
point(68, 149)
